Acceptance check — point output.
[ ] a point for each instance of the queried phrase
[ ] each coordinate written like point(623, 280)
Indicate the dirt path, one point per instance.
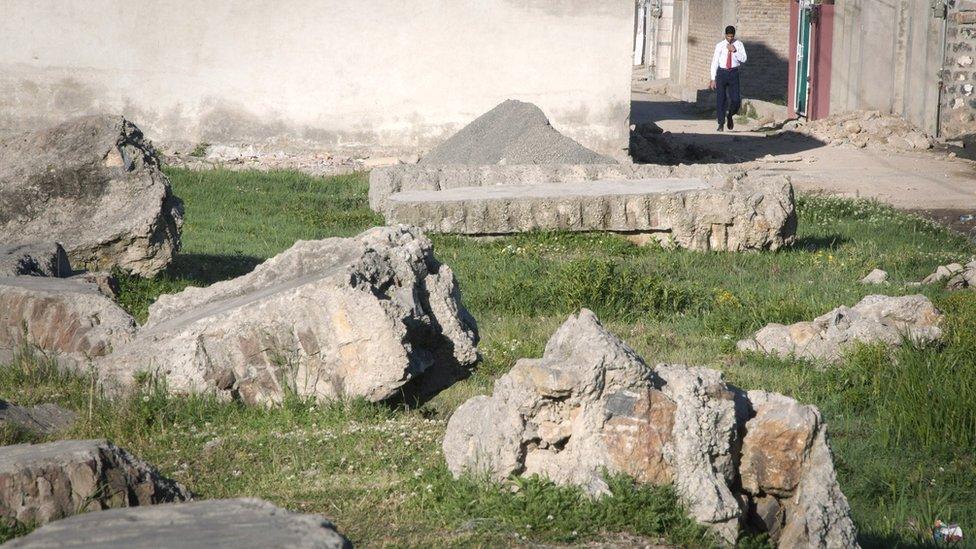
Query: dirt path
point(927, 181)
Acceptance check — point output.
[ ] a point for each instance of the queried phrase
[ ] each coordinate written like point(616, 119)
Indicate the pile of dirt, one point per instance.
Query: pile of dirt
point(862, 129)
point(649, 144)
point(514, 132)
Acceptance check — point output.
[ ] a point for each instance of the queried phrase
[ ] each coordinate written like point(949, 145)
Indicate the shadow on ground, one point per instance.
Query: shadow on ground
point(691, 147)
point(205, 269)
point(815, 243)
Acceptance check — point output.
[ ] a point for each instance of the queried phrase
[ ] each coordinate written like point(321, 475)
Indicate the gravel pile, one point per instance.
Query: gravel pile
point(514, 132)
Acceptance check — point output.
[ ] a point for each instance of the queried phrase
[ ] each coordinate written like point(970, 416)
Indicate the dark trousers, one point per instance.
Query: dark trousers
point(727, 91)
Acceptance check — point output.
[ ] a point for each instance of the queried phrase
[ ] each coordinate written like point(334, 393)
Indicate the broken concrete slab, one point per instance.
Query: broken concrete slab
point(44, 482)
point(591, 405)
point(374, 316)
point(34, 259)
point(93, 184)
point(957, 276)
point(68, 320)
point(514, 132)
point(876, 319)
point(240, 523)
point(384, 182)
point(748, 214)
point(43, 419)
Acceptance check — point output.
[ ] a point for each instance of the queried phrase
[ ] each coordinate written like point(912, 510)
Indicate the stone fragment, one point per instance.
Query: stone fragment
point(513, 132)
point(875, 319)
point(918, 140)
point(34, 259)
point(93, 184)
point(42, 418)
point(876, 276)
point(66, 319)
point(957, 276)
point(241, 523)
point(749, 214)
point(788, 471)
point(375, 316)
point(44, 482)
point(778, 436)
point(592, 404)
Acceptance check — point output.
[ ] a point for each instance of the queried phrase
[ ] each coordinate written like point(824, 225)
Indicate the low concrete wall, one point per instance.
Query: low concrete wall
point(372, 74)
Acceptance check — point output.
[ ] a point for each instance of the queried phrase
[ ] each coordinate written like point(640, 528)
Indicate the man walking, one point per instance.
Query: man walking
point(729, 55)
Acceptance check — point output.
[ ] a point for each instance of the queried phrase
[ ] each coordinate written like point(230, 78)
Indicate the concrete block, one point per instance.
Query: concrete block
point(383, 182)
point(238, 523)
point(747, 214)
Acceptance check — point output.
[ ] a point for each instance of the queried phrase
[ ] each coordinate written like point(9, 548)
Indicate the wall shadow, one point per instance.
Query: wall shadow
point(766, 73)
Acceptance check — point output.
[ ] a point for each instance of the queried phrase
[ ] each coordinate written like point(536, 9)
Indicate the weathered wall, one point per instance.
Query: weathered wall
point(959, 76)
point(887, 55)
point(336, 73)
point(763, 26)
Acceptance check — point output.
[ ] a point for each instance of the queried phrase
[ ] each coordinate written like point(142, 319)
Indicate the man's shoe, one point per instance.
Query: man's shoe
point(721, 128)
point(729, 119)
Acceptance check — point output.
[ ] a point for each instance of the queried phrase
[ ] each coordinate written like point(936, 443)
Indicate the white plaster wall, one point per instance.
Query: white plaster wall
point(341, 73)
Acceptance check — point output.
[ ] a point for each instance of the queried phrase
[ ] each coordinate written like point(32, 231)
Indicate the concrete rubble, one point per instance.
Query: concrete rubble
point(876, 319)
point(955, 276)
point(514, 132)
point(66, 319)
point(40, 483)
point(876, 276)
point(592, 404)
point(42, 419)
point(94, 185)
point(374, 316)
point(242, 523)
point(862, 129)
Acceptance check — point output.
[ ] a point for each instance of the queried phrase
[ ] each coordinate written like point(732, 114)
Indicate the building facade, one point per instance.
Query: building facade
point(907, 57)
point(382, 74)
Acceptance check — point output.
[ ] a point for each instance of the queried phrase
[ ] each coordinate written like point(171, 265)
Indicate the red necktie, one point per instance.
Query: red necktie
point(728, 61)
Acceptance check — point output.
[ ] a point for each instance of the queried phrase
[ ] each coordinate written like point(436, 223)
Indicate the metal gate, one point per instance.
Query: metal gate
point(803, 35)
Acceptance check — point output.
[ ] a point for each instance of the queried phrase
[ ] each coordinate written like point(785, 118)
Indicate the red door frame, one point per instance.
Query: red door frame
point(821, 56)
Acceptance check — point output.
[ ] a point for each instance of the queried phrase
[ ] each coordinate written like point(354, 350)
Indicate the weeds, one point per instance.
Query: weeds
point(901, 423)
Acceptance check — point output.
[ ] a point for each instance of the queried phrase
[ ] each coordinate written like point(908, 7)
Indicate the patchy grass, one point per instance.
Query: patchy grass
point(902, 424)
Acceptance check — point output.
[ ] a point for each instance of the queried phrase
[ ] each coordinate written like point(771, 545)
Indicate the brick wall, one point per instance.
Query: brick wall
point(959, 74)
point(705, 26)
point(764, 28)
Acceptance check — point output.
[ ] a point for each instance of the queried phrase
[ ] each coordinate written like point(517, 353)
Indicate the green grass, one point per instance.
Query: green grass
point(902, 423)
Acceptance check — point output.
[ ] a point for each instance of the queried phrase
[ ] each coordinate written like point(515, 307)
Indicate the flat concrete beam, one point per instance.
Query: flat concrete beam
point(748, 214)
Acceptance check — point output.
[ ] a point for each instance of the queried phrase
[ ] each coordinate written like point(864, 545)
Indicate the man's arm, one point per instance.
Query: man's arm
point(740, 52)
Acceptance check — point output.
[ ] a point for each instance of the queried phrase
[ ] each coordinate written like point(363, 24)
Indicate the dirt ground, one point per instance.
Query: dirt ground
point(929, 182)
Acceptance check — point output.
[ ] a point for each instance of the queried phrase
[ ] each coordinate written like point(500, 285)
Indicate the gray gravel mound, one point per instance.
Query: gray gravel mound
point(514, 132)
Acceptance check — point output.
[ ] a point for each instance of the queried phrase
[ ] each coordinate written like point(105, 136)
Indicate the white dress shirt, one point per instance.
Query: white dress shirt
point(721, 55)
